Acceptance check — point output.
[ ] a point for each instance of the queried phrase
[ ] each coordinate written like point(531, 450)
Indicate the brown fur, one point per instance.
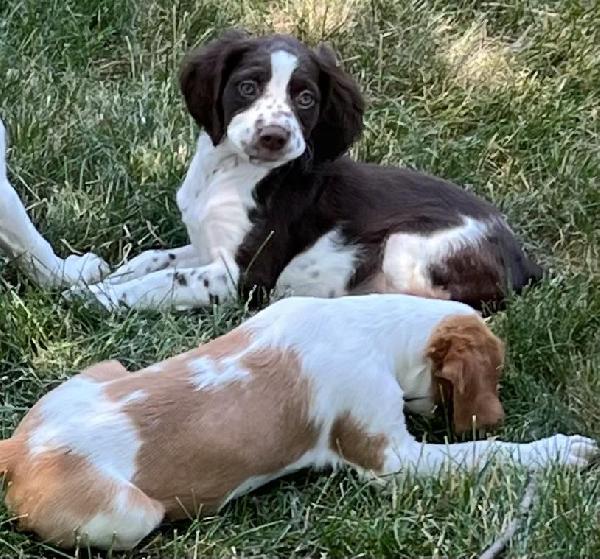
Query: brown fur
point(467, 361)
point(54, 491)
point(322, 190)
point(105, 371)
point(200, 443)
point(350, 440)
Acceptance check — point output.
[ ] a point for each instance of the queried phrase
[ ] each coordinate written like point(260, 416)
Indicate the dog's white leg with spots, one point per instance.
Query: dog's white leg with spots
point(20, 240)
point(181, 289)
point(562, 450)
point(155, 260)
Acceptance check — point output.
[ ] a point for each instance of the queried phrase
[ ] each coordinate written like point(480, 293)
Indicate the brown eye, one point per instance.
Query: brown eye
point(305, 99)
point(248, 89)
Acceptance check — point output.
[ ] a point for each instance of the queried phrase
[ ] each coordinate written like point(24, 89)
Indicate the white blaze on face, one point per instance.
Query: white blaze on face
point(283, 65)
point(271, 108)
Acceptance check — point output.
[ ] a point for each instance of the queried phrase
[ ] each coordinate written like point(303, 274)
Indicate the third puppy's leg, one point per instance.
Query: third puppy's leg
point(20, 240)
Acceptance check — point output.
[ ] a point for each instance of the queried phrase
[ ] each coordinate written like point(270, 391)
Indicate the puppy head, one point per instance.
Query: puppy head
point(272, 97)
point(468, 361)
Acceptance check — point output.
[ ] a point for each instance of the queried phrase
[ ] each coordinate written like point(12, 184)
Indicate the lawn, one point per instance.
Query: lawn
point(501, 97)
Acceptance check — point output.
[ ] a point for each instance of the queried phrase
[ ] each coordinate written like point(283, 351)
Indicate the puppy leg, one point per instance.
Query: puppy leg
point(19, 239)
point(574, 451)
point(66, 500)
point(154, 261)
point(180, 289)
point(373, 436)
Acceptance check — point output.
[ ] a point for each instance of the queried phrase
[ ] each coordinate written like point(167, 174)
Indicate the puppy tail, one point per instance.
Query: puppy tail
point(10, 451)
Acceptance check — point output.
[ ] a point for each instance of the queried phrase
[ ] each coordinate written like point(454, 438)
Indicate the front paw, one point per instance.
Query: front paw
point(141, 265)
point(86, 269)
point(568, 450)
point(101, 293)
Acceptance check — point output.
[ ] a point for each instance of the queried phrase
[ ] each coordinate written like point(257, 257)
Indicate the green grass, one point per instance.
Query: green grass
point(499, 97)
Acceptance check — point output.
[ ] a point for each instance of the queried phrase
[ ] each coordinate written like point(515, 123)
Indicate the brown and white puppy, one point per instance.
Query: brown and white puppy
point(269, 200)
point(109, 454)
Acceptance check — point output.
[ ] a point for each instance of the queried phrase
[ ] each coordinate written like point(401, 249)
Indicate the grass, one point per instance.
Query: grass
point(501, 97)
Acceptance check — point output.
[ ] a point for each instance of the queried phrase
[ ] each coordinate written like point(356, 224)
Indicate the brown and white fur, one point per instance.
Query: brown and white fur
point(109, 454)
point(21, 241)
point(271, 203)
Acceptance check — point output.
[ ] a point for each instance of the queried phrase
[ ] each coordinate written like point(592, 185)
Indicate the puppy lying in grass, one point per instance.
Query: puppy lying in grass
point(109, 454)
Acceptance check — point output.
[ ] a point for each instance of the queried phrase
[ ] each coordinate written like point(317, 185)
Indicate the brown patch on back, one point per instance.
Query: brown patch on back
point(350, 440)
point(105, 371)
point(200, 445)
point(467, 362)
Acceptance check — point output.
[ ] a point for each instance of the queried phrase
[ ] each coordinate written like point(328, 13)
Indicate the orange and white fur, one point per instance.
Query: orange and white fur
point(307, 382)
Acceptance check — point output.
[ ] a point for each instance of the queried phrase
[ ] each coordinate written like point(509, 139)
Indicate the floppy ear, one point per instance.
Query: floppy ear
point(453, 372)
point(467, 361)
point(342, 108)
point(203, 76)
point(472, 395)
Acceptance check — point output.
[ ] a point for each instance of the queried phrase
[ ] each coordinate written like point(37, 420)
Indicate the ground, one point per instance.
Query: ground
point(501, 97)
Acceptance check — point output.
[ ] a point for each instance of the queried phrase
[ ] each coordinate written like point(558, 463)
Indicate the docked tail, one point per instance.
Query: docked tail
point(10, 450)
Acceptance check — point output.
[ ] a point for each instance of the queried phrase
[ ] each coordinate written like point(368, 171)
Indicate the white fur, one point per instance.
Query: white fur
point(208, 375)
point(322, 270)
point(272, 108)
point(125, 524)
point(214, 201)
point(407, 256)
point(20, 240)
point(364, 355)
point(78, 415)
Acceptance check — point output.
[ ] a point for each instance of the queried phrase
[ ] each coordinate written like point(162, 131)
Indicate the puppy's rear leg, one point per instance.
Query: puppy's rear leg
point(132, 516)
point(64, 499)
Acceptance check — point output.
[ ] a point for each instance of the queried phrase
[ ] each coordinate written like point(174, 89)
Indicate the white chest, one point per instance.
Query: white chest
point(216, 197)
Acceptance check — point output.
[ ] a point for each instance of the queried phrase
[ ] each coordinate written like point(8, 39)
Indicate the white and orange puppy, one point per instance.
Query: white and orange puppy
point(109, 454)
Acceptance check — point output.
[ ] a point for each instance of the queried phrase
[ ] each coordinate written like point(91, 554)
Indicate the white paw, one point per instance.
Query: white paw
point(568, 450)
point(100, 293)
point(86, 269)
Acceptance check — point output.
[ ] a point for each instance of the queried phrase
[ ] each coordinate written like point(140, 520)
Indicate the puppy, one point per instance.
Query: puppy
point(270, 202)
point(109, 454)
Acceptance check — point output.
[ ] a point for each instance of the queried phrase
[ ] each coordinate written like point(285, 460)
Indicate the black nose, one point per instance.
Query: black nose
point(273, 138)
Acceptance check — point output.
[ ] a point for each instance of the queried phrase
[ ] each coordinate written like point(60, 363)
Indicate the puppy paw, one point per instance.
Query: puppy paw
point(86, 269)
point(568, 450)
point(99, 294)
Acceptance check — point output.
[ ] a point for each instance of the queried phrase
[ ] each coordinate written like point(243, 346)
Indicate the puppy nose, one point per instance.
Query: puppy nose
point(273, 138)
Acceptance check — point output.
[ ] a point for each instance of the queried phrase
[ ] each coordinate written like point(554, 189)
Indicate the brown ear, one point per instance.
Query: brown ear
point(342, 108)
point(467, 355)
point(452, 371)
point(203, 76)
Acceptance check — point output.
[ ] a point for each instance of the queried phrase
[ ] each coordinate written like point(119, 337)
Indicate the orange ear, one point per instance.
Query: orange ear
point(453, 371)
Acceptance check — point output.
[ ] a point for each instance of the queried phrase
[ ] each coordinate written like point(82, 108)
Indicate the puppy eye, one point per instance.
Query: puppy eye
point(248, 88)
point(305, 99)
